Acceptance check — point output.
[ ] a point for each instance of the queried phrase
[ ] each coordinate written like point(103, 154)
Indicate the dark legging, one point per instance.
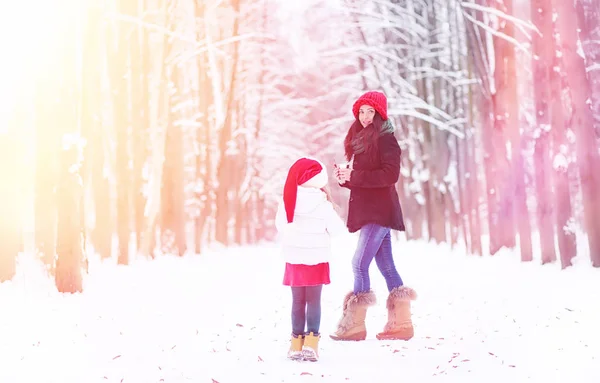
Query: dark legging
point(306, 309)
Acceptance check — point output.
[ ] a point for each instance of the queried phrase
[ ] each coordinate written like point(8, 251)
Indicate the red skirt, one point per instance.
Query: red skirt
point(306, 275)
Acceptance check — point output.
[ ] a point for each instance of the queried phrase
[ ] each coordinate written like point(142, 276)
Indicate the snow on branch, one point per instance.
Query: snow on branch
point(427, 118)
point(73, 142)
point(396, 22)
point(496, 12)
point(593, 67)
point(496, 33)
point(200, 46)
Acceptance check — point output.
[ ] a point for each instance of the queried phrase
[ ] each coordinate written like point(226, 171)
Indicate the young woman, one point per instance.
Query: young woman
point(374, 210)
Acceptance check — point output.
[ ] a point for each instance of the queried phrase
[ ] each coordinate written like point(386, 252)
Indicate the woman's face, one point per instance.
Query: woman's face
point(365, 115)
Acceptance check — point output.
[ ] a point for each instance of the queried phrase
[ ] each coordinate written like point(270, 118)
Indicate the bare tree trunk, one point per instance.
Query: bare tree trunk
point(140, 117)
point(456, 107)
point(46, 168)
point(95, 150)
point(588, 18)
point(69, 245)
point(242, 174)
point(517, 166)
point(412, 209)
point(472, 173)
point(438, 164)
point(493, 142)
point(204, 164)
point(257, 212)
point(505, 121)
point(542, 17)
point(474, 203)
point(224, 170)
point(587, 149)
point(561, 162)
point(204, 158)
point(119, 59)
point(10, 209)
point(173, 195)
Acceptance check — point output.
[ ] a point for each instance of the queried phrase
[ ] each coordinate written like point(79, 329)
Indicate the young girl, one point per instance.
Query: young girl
point(306, 218)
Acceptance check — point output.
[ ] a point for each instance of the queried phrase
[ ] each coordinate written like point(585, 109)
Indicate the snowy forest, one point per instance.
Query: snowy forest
point(145, 127)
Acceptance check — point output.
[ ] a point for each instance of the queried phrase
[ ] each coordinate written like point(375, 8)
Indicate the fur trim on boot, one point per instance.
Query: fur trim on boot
point(296, 344)
point(399, 324)
point(352, 324)
point(310, 349)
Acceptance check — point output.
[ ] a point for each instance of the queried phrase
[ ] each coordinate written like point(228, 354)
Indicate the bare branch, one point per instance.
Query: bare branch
point(496, 33)
point(491, 10)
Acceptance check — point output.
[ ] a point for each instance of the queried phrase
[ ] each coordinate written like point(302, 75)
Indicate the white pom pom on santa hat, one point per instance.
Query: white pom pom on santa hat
point(305, 172)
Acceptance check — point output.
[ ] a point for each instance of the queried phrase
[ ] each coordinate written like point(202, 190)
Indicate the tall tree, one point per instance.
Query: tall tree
point(506, 124)
point(587, 148)
point(10, 211)
point(225, 165)
point(492, 140)
point(588, 19)
point(69, 239)
point(119, 73)
point(69, 245)
point(96, 148)
point(47, 146)
point(561, 156)
point(543, 48)
point(140, 117)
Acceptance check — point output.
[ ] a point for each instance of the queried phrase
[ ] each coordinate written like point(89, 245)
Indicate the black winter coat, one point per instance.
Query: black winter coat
point(373, 195)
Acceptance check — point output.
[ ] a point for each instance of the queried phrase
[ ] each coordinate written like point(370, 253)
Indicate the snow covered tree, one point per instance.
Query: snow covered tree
point(70, 223)
point(587, 146)
point(96, 150)
point(588, 21)
point(10, 208)
point(140, 114)
point(118, 54)
point(193, 111)
point(69, 185)
point(543, 49)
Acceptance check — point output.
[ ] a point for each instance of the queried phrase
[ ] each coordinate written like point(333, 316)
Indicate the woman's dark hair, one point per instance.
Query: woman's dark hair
point(359, 139)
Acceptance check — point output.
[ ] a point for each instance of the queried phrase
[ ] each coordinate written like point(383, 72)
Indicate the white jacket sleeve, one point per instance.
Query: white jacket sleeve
point(335, 224)
point(280, 218)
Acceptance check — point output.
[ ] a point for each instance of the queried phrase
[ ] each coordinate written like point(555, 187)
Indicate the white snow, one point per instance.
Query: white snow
point(224, 317)
point(560, 162)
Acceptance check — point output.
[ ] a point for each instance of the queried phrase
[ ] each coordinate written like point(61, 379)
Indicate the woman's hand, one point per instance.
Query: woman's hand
point(342, 175)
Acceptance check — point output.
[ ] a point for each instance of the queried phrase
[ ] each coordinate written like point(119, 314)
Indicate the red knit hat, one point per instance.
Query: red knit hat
point(306, 172)
point(375, 99)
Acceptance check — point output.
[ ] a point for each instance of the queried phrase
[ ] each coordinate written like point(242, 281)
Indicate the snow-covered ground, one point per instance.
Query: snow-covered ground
point(224, 317)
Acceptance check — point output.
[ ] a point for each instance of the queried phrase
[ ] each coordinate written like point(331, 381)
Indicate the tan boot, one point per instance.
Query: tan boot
point(399, 324)
point(310, 349)
point(352, 324)
point(295, 351)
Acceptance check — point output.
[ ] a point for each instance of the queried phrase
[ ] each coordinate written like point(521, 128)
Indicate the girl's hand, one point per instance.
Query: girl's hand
point(327, 193)
point(336, 174)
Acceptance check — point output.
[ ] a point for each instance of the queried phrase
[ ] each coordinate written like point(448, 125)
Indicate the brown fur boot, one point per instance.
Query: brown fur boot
point(399, 324)
point(352, 324)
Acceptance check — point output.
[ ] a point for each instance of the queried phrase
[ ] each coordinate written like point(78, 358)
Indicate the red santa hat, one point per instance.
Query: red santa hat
point(375, 99)
point(304, 172)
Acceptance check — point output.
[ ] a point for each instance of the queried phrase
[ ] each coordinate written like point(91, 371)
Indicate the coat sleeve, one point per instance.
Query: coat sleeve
point(335, 225)
point(280, 217)
point(388, 173)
